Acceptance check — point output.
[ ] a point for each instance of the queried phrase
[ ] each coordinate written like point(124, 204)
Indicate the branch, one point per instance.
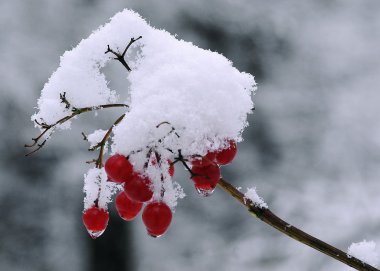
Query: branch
point(75, 112)
point(99, 161)
point(274, 221)
point(121, 57)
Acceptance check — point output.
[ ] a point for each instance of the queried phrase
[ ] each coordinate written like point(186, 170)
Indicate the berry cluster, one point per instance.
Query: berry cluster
point(138, 189)
point(205, 170)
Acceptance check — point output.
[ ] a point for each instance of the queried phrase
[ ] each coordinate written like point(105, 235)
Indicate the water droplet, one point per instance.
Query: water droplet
point(204, 192)
point(95, 234)
point(154, 236)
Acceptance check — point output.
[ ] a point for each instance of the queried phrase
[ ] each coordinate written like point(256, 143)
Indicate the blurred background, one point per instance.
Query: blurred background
point(312, 149)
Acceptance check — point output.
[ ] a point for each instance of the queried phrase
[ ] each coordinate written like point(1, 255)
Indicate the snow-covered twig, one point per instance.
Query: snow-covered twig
point(75, 112)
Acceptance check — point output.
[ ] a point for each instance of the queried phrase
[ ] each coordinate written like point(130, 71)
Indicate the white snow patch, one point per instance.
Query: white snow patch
point(96, 187)
point(365, 251)
point(96, 137)
point(252, 195)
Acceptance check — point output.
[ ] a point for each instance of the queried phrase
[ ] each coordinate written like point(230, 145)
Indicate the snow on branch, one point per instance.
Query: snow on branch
point(252, 195)
point(365, 251)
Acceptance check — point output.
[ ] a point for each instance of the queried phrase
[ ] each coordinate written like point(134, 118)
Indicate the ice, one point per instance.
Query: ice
point(204, 192)
point(95, 234)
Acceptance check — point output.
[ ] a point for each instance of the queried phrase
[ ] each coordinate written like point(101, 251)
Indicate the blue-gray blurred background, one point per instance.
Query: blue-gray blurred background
point(312, 148)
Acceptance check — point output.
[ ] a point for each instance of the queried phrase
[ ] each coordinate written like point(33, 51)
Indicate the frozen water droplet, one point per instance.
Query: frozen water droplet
point(204, 192)
point(95, 234)
point(154, 236)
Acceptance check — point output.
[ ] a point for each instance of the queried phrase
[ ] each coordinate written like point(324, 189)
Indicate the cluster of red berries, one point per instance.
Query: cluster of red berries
point(156, 215)
point(206, 171)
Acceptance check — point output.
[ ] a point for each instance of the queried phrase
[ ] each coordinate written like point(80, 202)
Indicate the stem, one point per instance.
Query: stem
point(121, 56)
point(274, 221)
point(75, 112)
point(99, 161)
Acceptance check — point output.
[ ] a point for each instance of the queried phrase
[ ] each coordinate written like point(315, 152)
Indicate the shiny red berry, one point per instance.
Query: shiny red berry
point(138, 188)
point(95, 220)
point(206, 178)
point(128, 209)
point(118, 168)
point(226, 156)
point(206, 160)
point(157, 217)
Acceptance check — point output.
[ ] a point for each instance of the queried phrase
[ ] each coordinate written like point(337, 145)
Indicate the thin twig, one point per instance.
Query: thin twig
point(121, 56)
point(274, 221)
point(48, 127)
point(99, 161)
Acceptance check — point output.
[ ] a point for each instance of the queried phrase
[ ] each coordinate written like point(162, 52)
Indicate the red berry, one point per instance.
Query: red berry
point(226, 156)
point(207, 177)
point(171, 168)
point(118, 168)
point(95, 220)
point(138, 188)
point(206, 160)
point(157, 217)
point(127, 208)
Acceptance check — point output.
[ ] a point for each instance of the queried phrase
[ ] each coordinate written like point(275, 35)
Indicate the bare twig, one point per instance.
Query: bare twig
point(99, 161)
point(171, 131)
point(121, 56)
point(84, 136)
point(62, 96)
point(274, 221)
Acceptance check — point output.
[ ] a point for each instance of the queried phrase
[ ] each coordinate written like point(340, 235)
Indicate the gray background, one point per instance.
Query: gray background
point(312, 149)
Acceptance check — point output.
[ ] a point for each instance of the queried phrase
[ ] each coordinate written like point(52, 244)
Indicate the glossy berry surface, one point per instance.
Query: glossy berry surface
point(226, 156)
point(138, 188)
point(95, 220)
point(128, 209)
point(206, 160)
point(207, 177)
point(118, 168)
point(157, 217)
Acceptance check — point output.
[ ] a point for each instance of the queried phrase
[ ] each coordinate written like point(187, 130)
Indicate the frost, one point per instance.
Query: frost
point(181, 97)
point(252, 195)
point(162, 181)
point(365, 251)
point(96, 187)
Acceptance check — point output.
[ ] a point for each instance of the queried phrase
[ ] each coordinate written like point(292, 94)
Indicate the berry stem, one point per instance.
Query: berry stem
point(99, 161)
point(274, 221)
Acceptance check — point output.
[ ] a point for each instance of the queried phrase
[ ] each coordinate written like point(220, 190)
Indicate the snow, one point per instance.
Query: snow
point(97, 137)
point(252, 195)
point(194, 92)
point(365, 251)
point(96, 187)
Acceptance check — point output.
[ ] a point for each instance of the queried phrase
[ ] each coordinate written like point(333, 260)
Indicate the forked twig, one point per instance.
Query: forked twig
point(121, 56)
